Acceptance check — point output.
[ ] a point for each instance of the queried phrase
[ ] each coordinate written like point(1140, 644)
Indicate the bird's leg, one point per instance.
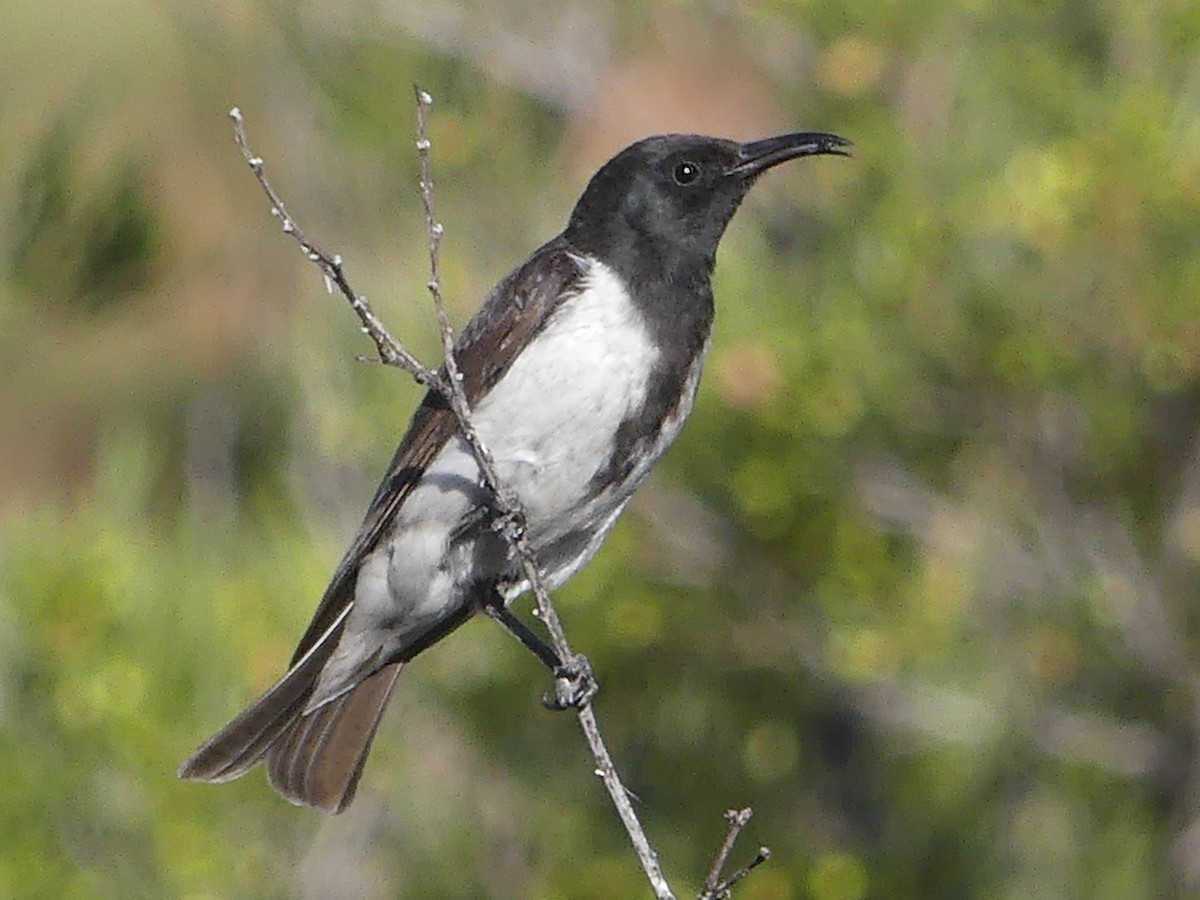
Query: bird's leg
point(575, 685)
point(495, 609)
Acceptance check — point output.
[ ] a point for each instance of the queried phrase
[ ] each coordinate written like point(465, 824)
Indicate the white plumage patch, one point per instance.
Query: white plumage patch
point(551, 420)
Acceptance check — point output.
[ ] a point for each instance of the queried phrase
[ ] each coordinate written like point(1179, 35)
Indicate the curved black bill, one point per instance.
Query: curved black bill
point(758, 156)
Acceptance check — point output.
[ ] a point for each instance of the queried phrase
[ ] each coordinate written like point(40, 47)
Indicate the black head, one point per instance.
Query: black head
point(670, 197)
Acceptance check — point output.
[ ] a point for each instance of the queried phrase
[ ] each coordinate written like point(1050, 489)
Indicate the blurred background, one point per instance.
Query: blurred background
point(918, 582)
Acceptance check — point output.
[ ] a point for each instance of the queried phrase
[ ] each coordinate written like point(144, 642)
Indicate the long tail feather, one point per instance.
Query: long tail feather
point(237, 747)
point(319, 759)
point(241, 744)
point(315, 756)
point(312, 760)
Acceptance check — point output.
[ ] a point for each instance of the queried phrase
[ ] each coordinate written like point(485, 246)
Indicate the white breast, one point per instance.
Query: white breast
point(551, 420)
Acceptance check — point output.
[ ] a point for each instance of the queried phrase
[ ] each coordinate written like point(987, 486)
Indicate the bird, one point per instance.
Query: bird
point(579, 369)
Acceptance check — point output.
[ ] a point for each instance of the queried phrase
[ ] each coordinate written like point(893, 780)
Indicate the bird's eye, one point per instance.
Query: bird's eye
point(686, 172)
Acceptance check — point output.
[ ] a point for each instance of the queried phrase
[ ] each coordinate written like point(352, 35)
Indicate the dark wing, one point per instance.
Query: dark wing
point(316, 758)
point(514, 312)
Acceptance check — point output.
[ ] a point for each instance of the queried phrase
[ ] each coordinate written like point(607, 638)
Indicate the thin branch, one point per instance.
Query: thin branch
point(391, 351)
point(724, 890)
point(512, 515)
point(737, 819)
point(716, 889)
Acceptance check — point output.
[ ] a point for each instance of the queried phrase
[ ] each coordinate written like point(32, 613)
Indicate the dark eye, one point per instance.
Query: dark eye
point(686, 173)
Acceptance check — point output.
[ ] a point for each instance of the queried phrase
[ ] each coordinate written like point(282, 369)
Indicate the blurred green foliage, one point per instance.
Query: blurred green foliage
point(917, 583)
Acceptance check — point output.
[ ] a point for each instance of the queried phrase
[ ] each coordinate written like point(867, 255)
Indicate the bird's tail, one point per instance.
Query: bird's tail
point(313, 759)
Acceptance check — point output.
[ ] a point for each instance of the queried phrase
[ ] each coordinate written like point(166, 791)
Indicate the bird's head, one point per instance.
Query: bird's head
point(674, 194)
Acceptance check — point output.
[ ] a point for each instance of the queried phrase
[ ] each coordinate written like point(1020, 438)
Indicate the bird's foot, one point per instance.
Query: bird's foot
point(508, 518)
point(574, 685)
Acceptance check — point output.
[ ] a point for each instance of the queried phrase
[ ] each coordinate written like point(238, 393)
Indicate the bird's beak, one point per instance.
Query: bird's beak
point(758, 156)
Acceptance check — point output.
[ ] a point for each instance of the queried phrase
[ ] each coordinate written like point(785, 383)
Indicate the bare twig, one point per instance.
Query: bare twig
point(716, 889)
point(737, 819)
point(391, 351)
point(724, 890)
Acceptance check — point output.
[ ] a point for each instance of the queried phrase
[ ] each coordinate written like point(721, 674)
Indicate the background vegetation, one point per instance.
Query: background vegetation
point(918, 583)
